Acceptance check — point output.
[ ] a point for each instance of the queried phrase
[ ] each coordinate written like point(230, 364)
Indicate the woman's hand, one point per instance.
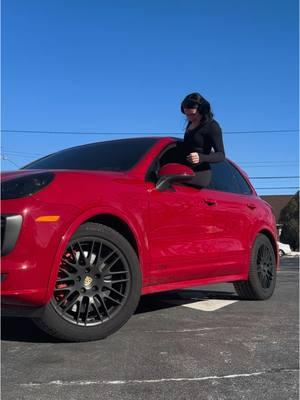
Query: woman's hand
point(193, 158)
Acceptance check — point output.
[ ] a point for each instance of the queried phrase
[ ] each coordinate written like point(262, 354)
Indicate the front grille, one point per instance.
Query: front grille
point(10, 229)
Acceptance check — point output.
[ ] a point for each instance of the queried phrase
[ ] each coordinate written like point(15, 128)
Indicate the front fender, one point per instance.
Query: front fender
point(129, 219)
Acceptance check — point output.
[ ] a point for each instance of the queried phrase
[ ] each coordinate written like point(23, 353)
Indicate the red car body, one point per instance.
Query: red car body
point(186, 237)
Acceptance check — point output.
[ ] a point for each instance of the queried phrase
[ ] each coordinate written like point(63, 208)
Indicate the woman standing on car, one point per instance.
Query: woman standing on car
point(203, 142)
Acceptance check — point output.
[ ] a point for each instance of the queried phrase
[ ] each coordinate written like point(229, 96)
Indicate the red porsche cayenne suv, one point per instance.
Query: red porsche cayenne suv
point(87, 230)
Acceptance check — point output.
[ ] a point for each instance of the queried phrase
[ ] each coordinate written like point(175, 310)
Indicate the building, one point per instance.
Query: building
point(277, 202)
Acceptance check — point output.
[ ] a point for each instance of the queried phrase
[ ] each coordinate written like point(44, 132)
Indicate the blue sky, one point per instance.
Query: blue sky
point(124, 67)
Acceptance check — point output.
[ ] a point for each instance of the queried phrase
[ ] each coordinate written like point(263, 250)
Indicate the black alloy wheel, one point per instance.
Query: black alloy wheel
point(93, 282)
point(262, 272)
point(97, 288)
point(265, 266)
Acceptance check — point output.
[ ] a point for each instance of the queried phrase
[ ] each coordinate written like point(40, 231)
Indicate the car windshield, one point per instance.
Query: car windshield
point(115, 155)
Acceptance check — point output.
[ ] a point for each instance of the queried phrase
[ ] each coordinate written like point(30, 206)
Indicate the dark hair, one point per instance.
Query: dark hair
point(195, 100)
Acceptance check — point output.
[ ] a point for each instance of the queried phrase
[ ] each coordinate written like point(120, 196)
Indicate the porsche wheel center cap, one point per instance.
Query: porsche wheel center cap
point(88, 281)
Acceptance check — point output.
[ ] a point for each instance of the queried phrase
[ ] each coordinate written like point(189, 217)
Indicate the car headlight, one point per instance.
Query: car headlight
point(25, 185)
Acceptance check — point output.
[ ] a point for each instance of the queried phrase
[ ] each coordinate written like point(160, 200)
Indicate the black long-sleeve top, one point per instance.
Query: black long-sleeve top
point(202, 140)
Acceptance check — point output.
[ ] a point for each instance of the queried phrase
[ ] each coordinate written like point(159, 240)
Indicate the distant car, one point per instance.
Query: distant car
point(284, 249)
point(87, 230)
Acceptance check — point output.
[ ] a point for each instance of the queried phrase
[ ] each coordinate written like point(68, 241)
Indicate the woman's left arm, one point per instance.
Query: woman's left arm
point(217, 142)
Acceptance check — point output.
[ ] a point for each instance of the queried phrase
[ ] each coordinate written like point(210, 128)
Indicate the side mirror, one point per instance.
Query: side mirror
point(172, 173)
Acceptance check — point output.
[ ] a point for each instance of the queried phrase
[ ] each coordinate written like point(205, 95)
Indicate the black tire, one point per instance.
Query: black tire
point(281, 253)
point(262, 272)
point(98, 286)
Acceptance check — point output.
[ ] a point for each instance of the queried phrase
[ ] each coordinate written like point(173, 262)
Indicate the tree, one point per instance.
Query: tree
point(289, 218)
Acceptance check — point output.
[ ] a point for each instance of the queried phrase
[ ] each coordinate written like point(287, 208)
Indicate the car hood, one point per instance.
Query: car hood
point(7, 175)
point(78, 188)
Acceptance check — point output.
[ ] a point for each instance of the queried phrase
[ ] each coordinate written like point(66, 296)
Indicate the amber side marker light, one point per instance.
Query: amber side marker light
point(48, 218)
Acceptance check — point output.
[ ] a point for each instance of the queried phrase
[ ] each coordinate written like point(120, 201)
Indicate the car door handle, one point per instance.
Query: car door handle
point(251, 206)
point(210, 202)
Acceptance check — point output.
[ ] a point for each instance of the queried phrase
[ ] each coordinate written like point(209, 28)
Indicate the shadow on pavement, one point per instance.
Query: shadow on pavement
point(159, 301)
point(24, 330)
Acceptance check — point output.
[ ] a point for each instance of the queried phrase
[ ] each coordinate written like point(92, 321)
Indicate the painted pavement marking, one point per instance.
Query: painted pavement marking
point(203, 305)
point(209, 305)
point(143, 381)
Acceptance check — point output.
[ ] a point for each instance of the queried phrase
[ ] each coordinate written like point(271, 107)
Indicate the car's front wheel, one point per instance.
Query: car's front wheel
point(262, 272)
point(97, 288)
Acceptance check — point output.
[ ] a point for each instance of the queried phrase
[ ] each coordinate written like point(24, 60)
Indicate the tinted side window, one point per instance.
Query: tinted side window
point(116, 155)
point(244, 187)
point(222, 178)
point(173, 155)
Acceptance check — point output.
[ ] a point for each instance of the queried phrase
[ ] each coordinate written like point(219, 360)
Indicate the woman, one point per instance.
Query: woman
point(203, 134)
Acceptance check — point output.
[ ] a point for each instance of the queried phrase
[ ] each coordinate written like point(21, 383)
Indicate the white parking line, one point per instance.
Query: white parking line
point(203, 305)
point(143, 381)
point(288, 272)
point(210, 305)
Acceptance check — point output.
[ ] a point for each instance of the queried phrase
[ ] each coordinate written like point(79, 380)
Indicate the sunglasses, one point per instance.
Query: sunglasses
point(190, 104)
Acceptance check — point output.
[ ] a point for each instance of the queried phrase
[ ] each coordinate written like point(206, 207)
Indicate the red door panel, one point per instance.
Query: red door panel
point(182, 234)
point(234, 218)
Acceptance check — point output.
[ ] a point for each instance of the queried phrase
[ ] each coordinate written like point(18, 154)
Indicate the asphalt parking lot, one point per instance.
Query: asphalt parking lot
point(200, 343)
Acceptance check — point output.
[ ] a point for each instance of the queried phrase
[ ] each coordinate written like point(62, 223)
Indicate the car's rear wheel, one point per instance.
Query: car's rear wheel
point(281, 253)
point(262, 272)
point(97, 288)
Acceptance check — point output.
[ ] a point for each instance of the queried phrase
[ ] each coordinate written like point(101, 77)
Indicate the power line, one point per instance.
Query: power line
point(21, 156)
point(21, 153)
point(290, 131)
point(269, 166)
point(245, 163)
point(249, 163)
point(265, 162)
point(18, 156)
point(269, 161)
point(251, 177)
point(4, 158)
point(286, 187)
point(274, 177)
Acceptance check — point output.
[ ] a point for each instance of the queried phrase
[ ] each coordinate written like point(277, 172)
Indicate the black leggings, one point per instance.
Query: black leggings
point(201, 179)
